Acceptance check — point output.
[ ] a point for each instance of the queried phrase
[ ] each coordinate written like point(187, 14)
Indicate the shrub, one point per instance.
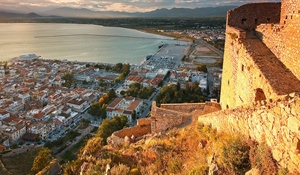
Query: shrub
point(261, 158)
point(119, 170)
point(233, 154)
point(201, 170)
point(135, 171)
point(175, 165)
point(283, 171)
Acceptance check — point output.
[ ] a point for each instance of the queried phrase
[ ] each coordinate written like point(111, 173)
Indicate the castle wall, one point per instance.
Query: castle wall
point(241, 77)
point(163, 119)
point(283, 41)
point(289, 10)
point(259, 68)
point(142, 128)
point(276, 121)
point(183, 107)
point(248, 16)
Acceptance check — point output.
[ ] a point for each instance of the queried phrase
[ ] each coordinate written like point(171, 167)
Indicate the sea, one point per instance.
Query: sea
point(78, 42)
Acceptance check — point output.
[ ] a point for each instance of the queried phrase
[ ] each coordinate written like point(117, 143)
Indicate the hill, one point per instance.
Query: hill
point(86, 13)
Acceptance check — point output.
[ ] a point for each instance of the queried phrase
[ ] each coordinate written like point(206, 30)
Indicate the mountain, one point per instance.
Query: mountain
point(174, 12)
point(32, 15)
point(86, 13)
point(185, 12)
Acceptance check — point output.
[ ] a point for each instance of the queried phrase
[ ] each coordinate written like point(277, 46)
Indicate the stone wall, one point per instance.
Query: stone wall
point(252, 72)
point(264, 63)
point(142, 128)
point(163, 119)
point(283, 41)
point(183, 107)
point(278, 121)
point(52, 169)
point(248, 16)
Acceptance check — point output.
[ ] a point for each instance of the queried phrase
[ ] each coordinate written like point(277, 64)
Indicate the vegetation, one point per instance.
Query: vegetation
point(42, 160)
point(262, 159)
point(202, 68)
point(59, 144)
point(20, 164)
point(136, 23)
point(178, 151)
point(136, 90)
point(69, 80)
point(109, 126)
point(99, 108)
point(124, 69)
point(174, 94)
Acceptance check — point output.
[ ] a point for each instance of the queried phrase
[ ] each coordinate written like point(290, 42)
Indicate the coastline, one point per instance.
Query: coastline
point(175, 36)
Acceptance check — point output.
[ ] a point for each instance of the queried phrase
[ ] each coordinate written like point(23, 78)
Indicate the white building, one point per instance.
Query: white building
point(124, 106)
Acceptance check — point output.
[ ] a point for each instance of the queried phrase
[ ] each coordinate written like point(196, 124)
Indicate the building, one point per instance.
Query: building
point(124, 106)
point(262, 53)
point(78, 104)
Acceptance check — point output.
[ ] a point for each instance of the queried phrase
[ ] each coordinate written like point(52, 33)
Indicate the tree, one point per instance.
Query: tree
point(202, 68)
point(42, 160)
point(133, 115)
point(109, 126)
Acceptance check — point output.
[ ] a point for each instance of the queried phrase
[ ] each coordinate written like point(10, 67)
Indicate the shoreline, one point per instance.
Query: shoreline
point(175, 36)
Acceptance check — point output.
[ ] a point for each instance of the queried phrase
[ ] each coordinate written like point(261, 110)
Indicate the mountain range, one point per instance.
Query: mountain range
point(86, 13)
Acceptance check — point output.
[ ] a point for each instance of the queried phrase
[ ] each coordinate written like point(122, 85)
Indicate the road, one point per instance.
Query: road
point(77, 140)
point(211, 47)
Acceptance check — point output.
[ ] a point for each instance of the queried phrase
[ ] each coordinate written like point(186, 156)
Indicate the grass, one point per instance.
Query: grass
point(20, 164)
point(72, 153)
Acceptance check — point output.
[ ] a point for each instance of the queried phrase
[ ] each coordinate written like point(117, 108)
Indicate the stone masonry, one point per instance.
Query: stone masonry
point(260, 82)
point(261, 53)
point(276, 121)
point(163, 118)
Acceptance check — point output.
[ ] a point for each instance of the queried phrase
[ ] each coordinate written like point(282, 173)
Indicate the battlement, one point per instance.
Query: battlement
point(261, 56)
point(248, 16)
point(275, 120)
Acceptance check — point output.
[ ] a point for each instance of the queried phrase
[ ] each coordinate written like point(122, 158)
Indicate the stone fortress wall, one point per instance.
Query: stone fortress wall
point(252, 70)
point(260, 82)
point(162, 118)
point(283, 38)
point(278, 121)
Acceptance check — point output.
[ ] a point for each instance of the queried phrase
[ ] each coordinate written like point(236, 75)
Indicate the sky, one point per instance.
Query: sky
point(123, 5)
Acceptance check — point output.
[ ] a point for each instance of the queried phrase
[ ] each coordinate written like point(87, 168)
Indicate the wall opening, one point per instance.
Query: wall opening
point(244, 21)
point(228, 82)
point(269, 19)
point(298, 147)
point(227, 106)
point(259, 95)
point(256, 21)
point(291, 16)
point(242, 68)
point(298, 11)
point(286, 17)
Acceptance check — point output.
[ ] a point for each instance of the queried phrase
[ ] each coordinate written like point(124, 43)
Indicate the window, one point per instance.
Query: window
point(242, 67)
point(259, 95)
point(244, 21)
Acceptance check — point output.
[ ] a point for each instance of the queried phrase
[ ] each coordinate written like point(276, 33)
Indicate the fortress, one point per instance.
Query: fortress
point(262, 53)
point(260, 82)
point(260, 95)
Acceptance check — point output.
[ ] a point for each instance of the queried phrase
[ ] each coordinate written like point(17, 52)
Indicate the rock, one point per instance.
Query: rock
point(253, 171)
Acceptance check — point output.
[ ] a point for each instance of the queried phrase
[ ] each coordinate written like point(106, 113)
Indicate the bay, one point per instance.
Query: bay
point(81, 42)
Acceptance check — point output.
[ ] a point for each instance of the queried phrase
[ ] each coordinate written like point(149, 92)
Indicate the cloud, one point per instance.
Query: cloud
point(126, 5)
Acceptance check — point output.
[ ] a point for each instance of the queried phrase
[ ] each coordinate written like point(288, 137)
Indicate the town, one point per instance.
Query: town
point(43, 100)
